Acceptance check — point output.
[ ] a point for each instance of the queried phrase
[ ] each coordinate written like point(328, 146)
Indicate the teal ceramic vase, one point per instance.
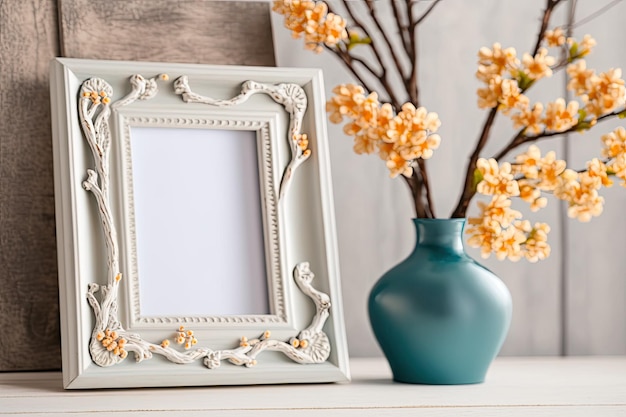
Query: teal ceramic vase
point(439, 316)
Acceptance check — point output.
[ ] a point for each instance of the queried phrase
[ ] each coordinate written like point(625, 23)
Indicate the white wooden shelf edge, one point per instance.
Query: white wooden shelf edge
point(514, 386)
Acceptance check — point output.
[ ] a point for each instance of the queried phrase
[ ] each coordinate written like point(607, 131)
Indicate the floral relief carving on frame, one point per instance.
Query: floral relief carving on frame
point(110, 342)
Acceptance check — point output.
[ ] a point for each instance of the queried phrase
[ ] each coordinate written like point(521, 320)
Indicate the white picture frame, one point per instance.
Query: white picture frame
point(123, 141)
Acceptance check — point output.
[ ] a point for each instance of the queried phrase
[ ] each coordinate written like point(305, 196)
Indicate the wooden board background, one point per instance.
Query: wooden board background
point(574, 303)
point(29, 308)
point(30, 36)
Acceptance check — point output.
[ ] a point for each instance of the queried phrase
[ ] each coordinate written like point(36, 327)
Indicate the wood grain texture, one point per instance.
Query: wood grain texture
point(194, 31)
point(514, 387)
point(29, 311)
point(183, 31)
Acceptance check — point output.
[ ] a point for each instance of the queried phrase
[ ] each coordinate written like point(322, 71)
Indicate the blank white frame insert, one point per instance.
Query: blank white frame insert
point(198, 222)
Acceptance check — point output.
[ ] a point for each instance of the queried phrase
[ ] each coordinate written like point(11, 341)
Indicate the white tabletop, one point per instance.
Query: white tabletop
point(582, 386)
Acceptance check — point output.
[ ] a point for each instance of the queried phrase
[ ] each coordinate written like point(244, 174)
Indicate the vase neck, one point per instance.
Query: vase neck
point(446, 234)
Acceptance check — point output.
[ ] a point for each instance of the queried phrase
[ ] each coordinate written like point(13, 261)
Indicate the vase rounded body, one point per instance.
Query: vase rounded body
point(439, 316)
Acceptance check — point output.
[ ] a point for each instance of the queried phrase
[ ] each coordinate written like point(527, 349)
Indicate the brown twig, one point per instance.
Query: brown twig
point(413, 90)
point(468, 185)
point(384, 79)
point(347, 60)
point(402, 30)
point(430, 207)
point(520, 138)
point(416, 186)
point(385, 37)
point(413, 87)
point(550, 5)
point(426, 13)
point(468, 189)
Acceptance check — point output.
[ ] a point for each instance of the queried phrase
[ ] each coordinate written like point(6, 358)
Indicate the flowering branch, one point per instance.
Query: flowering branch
point(550, 5)
point(404, 135)
point(384, 75)
point(385, 37)
point(468, 191)
point(521, 138)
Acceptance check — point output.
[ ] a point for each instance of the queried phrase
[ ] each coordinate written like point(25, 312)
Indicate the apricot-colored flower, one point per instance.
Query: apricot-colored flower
point(588, 205)
point(511, 97)
point(330, 31)
point(597, 172)
point(499, 229)
point(399, 139)
point(494, 229)
point(411, 119)
point(398, 165)
point(586, 44)
point(618, 166)
point(185, 337)
point(530, 118)
point(364, 114)
point(364, 144)
point(113, 342)
point(489, 95)
point(579, 77)
point(295, 14)
point(311, 19)
point(527, 163)
point(531, 194)
point(509, 244)
point(550, 170)
point(555, 37)
point(536, 246)
point(605, 92)
point(538, 66)
point(582, 48)
point(560, 117)
point(495, 61)
point(496, 179)
point(582, 196)
point(614, 143)
point(539, 174)
point(482, 235)
point(499, 210)
point(410, 132)
point(345, 102)
point(384, 117)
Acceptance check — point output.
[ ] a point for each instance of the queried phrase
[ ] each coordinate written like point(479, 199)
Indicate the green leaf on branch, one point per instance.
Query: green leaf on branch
point(355, 39)
point(523, 80)
point(582, 124)
point(573, 52)
point(478, 177)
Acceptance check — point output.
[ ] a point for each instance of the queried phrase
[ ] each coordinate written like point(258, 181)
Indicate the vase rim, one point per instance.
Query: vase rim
point(439, 220)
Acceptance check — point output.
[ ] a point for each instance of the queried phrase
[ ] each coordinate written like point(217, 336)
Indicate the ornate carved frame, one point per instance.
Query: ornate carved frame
point(95, 104)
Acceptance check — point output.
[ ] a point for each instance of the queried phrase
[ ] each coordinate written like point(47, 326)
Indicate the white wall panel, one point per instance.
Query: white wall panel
point(596, 279)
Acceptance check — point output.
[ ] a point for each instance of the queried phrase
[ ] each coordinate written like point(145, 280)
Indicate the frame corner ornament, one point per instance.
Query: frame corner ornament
point(290, 95)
